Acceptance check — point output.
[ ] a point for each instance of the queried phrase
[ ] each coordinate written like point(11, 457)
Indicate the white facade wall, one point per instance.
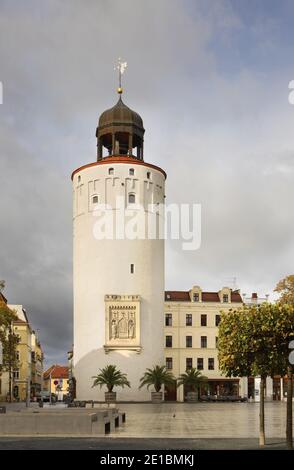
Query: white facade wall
point(102, 267)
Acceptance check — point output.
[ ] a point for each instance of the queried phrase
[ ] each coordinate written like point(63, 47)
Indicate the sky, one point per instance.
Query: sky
point(210, 80)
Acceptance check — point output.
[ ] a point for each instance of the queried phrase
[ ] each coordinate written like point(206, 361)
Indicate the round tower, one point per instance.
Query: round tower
point(118, 258)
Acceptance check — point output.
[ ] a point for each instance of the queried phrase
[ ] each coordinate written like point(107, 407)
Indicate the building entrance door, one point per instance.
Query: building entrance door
point(170, 392)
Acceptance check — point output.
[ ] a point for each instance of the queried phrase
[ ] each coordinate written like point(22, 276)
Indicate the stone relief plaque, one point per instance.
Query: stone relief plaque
point(122, 322)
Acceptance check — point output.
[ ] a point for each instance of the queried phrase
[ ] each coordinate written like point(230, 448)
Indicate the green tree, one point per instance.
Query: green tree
point(285, 288)
point(247, 347)
point(9, 341)
point(2, 285)
point(193, 379)
point(157, 376)
point(111, 377)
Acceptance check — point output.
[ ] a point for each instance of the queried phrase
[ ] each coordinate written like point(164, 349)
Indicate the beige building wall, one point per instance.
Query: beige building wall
point(210, 304)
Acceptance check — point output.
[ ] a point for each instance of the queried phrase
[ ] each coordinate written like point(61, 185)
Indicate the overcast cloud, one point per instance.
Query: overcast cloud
point(209, 78)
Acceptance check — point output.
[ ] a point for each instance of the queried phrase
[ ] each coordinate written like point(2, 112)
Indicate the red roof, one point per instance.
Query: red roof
point(57, 372)
point(184, 296)
point(120, 159)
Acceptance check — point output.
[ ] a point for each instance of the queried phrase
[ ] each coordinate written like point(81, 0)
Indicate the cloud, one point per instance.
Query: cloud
point(217, 121)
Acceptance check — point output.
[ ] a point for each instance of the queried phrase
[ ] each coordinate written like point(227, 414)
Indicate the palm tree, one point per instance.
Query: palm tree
point(157, 377)
point(193, 379)
point(111, 377)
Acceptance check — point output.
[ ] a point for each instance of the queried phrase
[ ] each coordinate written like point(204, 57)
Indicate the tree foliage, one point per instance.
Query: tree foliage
point(285, 288)
point(157, 377)
point(111, 377)
point(254, 340)
point(192, 378)
point(8, 338)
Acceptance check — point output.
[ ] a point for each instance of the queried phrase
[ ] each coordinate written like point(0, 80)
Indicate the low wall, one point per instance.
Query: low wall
point(63, 422)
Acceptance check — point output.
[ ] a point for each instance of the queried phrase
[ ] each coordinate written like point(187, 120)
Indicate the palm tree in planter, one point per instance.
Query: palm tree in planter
point(111, 377)
point(193, 379)
point(157, 377)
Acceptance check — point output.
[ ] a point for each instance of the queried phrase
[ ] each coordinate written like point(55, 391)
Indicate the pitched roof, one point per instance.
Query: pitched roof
point(57, 372)
point(184, 296)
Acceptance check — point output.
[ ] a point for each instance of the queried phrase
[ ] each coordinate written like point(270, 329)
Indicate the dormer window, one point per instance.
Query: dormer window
point(131, 171)
point(225, 298)
point(111, 171)
point(196, 297)
point(132, 198)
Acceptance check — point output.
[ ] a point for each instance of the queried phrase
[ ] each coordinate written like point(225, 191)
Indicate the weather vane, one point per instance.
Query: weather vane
point(121, 67)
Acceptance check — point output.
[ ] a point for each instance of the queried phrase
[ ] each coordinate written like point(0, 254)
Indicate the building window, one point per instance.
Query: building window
point(189, 363)
point(168, 319)
point(210, 363)
point(95, 199)
point(148, 175)
point(216, 342)
point(196, 297)
point(169, 363)
point(225, 298)
point(17, 355)
point(132, 198)
point(16, 374)
point(110, 171)
point(199, 363)
point(79, 179)
point(167, 296)
point(203, 320)
point(203, 341)
point(131, 171)
point(168, 341)
point(189, 319)
point(217, 320)
point(188, 341)
point(132, 268)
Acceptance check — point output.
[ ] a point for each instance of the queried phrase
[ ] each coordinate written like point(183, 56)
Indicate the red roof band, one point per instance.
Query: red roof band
point(119, 159)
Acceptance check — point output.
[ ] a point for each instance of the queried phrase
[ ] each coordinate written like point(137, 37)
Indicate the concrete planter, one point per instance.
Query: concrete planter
point(156, 397)
point(192, 397)
point(110, 397)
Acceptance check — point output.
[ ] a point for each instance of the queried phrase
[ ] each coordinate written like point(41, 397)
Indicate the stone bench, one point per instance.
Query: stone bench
point(57, 423)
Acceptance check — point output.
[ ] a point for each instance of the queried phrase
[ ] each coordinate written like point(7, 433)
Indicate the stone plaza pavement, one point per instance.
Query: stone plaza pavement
point(202, 420)
point(175, 426)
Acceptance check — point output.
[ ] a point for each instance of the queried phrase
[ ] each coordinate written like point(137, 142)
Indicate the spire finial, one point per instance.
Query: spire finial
point(121, 66)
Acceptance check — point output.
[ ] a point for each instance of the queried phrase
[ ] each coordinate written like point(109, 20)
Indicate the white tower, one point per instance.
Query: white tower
point(118, 275)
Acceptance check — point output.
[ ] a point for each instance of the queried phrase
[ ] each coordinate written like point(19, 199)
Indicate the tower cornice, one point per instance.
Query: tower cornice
point(119, 159)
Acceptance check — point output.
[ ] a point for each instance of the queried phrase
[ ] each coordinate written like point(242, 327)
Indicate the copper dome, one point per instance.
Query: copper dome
point(120, 114)
point(120, 130)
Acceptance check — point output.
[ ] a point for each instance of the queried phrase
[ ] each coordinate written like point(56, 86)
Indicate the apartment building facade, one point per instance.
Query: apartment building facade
point(191, 335)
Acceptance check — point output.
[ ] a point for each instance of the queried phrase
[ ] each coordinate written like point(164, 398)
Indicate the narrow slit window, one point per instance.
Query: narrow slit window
point(132, 268)
point(148, 175)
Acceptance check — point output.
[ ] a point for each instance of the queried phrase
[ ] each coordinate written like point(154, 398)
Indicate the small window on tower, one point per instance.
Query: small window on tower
point(132, 268)
point(131, 171)
point(95, 199)
point(111, 171)
point(132, 198)
point(148, 175)
point(79, 179)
